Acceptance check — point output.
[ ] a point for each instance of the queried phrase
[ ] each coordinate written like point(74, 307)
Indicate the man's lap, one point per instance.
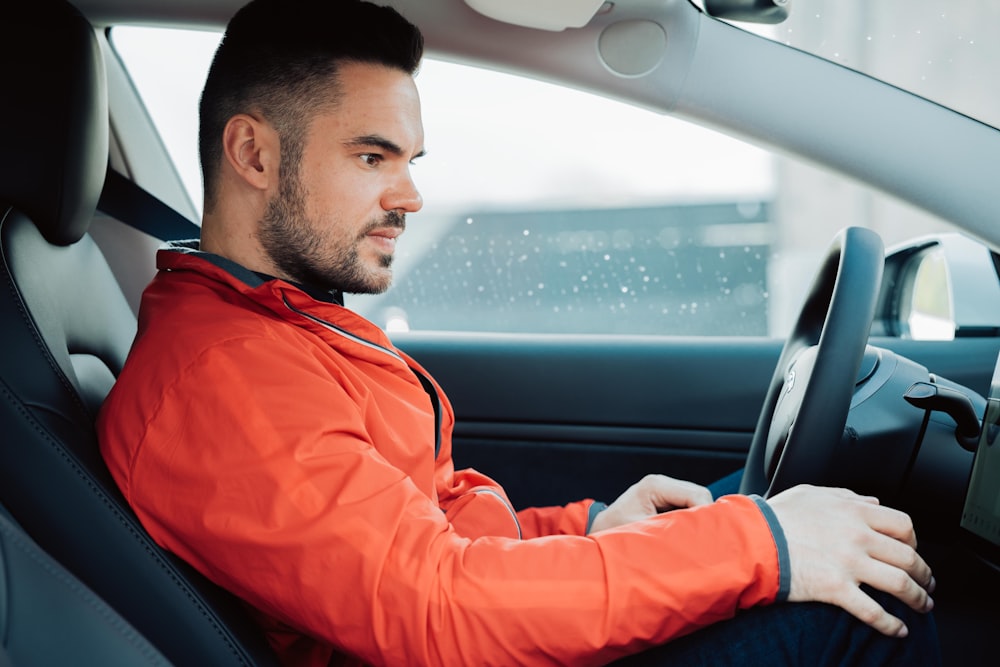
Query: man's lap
point(790, 633)
point(812, 634)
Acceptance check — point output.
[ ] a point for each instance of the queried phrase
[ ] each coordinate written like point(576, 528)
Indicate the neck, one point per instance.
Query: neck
point(236, 240)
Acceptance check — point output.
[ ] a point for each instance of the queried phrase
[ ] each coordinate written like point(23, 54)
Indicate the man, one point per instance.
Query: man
point(281, 444)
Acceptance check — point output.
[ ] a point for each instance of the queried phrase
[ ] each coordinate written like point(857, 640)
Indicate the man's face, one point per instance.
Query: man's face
point(337, 214)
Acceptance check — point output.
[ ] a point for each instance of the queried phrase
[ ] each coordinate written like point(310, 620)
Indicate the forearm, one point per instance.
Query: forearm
point(409, 590)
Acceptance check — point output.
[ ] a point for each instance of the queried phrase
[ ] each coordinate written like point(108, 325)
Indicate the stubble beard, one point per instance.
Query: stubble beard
point(312, 254)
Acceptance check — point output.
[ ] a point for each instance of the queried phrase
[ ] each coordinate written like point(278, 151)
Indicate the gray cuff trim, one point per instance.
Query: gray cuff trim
point(784, 565)
point(596, 508)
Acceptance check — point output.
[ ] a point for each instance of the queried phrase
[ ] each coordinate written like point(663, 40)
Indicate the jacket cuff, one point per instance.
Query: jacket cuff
point(784, 564)
point(596, 508)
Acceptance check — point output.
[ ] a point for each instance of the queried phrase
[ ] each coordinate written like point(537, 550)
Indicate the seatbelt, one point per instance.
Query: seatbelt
point(130, 204)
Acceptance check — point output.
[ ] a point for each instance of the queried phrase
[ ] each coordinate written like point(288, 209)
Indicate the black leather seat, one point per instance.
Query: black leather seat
point(47, 617)
point(65, 330)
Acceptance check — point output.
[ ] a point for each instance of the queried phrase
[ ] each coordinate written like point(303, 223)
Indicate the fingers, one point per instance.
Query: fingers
point(895, 545)
point(649, 496)
point(890, 580)
point(860, 605)
point(896, 582)
point(666, 493)
point(898, 569)
point(838, 540)
point(893, 523)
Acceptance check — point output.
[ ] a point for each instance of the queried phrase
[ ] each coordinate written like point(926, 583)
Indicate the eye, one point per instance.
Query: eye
point(371, 159)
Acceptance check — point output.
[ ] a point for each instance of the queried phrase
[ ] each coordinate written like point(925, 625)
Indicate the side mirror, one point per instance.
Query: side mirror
point(939, 288)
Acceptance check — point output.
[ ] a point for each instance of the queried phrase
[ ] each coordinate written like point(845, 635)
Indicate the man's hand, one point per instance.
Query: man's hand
point(838, 540)
point(649, 496)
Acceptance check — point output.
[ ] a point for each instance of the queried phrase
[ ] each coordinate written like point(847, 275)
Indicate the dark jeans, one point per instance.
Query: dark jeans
point(799, 633)
point(811, 634)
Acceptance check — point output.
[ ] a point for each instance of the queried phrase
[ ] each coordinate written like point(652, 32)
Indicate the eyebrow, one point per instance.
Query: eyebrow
point(381, 143)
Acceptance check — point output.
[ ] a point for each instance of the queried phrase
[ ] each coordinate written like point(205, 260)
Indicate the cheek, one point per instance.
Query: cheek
point(341, 193)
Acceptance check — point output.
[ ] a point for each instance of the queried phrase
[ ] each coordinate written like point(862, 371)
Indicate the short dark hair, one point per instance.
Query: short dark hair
point(279, 58)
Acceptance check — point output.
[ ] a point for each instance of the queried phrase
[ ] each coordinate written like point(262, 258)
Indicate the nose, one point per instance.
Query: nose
point(403, 196)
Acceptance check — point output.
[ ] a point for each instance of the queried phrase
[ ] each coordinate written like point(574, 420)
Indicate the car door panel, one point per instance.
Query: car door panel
point(556, 418)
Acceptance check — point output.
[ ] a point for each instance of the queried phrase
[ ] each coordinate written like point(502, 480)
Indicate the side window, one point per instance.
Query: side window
point(552, 210)
point(170, 87)
point(667, 269)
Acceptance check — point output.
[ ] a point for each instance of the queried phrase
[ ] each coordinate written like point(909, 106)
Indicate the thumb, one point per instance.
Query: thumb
point(666, 493)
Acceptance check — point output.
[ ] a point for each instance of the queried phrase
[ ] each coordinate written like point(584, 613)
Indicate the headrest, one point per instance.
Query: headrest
point(53, 117)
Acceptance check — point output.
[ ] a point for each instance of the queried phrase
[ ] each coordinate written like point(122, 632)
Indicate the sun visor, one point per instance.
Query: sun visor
point(555, 15)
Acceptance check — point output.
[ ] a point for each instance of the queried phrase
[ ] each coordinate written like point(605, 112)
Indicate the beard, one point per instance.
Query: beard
point(321, 255)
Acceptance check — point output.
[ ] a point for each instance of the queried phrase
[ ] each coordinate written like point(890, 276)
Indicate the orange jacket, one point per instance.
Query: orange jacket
point(286, 449)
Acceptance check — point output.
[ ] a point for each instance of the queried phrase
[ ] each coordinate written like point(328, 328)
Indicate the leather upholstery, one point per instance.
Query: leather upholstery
point(48, 618)
point(55, 150)
point(65, 330)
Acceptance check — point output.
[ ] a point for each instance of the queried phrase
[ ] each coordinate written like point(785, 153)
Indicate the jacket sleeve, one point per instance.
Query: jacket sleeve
point(571, 519)
point(271, 487)
point(476, 506)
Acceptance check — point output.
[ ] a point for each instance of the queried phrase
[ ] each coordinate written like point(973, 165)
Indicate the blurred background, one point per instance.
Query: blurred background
point(551, 210)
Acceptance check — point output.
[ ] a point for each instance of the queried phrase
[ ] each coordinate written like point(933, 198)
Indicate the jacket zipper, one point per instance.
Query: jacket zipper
point(342, 332)
point(425, 383)
point(435, 401)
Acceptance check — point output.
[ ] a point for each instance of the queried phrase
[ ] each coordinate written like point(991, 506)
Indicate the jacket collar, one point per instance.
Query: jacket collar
point(250, 278)
point(287, 301)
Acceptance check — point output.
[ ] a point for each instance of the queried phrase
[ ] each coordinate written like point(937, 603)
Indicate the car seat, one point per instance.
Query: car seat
point(47, 617)
point(66, 330)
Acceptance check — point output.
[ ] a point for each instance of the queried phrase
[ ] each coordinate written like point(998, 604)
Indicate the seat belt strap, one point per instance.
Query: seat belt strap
point(130, 204)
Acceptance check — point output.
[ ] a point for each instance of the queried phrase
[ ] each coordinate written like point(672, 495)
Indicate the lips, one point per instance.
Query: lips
point(385, 238)
point(386, 232)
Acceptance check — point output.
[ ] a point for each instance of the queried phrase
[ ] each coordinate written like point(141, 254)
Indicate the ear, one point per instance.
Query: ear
point(250, 147)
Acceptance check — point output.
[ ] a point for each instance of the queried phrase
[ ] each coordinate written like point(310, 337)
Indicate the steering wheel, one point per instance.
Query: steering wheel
point(806, 406)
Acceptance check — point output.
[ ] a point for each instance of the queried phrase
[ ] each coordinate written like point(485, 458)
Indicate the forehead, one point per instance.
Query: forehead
point(374, 99)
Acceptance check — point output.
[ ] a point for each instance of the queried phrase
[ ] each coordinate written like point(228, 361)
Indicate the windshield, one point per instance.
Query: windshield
point(945, 51)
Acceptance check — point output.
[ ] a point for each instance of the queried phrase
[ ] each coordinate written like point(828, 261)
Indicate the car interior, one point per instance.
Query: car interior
point(605, 410)
point(67, 332)
point(50, 618)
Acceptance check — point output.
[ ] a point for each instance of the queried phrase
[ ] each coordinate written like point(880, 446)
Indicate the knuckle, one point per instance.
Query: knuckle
point(906, 524)
point(870, 614)
point(900, 582)
point(860, 541)
point(911, 560)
